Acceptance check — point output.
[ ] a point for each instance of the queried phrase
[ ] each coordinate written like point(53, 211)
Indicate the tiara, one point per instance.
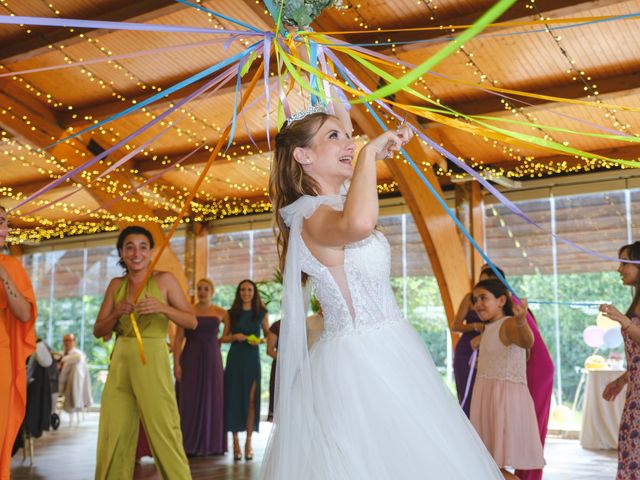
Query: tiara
point(306, 112)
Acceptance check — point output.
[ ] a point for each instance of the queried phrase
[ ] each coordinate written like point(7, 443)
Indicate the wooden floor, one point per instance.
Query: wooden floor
point(69, 454)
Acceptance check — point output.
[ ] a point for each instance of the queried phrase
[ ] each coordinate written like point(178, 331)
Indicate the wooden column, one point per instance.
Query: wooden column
point(469, 210)
point(196, 256)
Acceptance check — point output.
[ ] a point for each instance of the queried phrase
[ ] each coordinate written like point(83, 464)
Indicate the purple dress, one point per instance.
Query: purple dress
point(461, 358)
point(201, 395)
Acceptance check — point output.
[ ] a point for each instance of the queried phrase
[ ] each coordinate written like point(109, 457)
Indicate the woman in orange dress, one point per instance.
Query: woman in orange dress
point(17, 342)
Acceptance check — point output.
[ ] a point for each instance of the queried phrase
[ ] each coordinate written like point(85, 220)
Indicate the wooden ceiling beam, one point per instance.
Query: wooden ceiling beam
point(89, 114)
point(628, 152)
point(148, 165)
point(29, 186)
point(609, 88)
point(40, 132)
point(39, 41)
point(518, 12)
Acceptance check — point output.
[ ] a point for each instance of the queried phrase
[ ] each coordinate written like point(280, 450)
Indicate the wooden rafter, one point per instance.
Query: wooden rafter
point(609, 88)
point(140, 11)
point(519, 12)
point(41, 131)
point(89, 113)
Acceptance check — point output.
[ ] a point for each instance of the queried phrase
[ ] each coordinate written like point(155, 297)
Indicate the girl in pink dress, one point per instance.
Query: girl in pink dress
point(502, 409)
point(539, 378)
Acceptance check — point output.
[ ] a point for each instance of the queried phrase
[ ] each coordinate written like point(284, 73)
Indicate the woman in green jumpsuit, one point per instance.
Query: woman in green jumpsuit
point(135, 391)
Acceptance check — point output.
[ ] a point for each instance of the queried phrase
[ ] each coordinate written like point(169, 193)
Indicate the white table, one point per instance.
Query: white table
point(601, 419)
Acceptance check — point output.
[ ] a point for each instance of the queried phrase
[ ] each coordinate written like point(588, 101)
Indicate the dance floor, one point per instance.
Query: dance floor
point(69, 454)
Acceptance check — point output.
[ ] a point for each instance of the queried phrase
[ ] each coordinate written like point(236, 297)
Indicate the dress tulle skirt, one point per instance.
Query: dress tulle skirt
point(505, 418)
point(383, 412)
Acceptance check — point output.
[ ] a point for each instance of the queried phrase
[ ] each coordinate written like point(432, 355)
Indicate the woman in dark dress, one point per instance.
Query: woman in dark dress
point(247, 316)
point(198, 371)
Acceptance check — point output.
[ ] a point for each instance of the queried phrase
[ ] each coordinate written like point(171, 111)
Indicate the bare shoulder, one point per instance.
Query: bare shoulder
point(321, 218)
point(164, 279)
point(219, 311)
point(115, 283)
point(506, 326)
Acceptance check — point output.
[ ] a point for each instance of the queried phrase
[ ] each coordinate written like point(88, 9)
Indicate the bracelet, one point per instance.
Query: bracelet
point(518, 325)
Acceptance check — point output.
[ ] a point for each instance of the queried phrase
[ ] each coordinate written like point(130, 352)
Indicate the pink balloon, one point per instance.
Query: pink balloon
point(593, 336)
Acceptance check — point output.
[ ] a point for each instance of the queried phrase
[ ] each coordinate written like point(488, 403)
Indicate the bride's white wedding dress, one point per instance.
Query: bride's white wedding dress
point(367, 402)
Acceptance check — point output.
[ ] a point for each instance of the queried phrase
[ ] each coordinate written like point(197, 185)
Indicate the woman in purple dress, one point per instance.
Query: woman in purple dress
point(469, 324)
point(198, 369)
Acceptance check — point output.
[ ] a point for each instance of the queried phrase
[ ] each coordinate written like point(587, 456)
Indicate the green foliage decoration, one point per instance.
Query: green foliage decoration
point(299, 13)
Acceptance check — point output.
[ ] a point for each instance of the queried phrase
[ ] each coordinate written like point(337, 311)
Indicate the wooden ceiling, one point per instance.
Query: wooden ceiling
point(39, 108)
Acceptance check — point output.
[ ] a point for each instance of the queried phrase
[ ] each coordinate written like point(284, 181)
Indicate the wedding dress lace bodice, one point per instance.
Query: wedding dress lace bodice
point(367, 265)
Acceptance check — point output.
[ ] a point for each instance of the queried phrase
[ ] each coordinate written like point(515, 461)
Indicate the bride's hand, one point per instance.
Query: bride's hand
point(390, 141)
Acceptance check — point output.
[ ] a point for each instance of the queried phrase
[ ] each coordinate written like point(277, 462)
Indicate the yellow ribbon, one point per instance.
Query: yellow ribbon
point(136, 330)
point(449, 28)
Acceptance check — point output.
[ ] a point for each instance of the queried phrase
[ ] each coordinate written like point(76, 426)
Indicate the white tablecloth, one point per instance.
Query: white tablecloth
point(601, 419)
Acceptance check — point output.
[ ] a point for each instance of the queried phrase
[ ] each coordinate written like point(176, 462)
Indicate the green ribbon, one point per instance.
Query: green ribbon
point(403, 82)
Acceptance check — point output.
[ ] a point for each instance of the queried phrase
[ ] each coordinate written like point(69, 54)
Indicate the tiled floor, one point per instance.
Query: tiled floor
point(69, 454)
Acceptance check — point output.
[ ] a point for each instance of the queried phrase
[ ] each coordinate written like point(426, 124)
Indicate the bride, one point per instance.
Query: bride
point(366, 401)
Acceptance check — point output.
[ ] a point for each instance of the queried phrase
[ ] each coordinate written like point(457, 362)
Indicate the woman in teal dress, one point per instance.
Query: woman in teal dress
point(247, 316)
point(135, 391)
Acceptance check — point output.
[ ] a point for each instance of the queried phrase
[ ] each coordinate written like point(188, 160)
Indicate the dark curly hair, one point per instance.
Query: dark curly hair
point(132, 230)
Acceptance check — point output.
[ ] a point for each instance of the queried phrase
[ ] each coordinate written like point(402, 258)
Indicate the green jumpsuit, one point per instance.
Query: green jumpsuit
point(135, 392)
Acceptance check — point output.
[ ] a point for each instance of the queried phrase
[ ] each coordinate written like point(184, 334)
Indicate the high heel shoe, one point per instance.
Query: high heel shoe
point(237, 453)
point(248, 452)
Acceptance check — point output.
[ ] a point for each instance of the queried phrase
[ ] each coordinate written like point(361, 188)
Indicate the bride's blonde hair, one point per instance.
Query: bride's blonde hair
point(288, 180)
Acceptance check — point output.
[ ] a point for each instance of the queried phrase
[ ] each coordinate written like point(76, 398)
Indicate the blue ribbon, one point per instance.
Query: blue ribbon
point(157, 96)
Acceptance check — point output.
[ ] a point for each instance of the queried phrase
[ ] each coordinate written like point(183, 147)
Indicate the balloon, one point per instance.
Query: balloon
point(604, 322)
point(561, 414)
point(613, 337)
point(593, 336)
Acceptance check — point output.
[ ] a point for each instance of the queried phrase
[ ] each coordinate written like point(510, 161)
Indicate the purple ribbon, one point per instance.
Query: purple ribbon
point(223, 79)
point(99, 24)
point(123, 142)
point(120, 57)
point(472, 366)
point(111, 168)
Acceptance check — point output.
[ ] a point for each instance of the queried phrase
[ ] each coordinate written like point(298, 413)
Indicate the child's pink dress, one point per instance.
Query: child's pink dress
point(502, 409)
